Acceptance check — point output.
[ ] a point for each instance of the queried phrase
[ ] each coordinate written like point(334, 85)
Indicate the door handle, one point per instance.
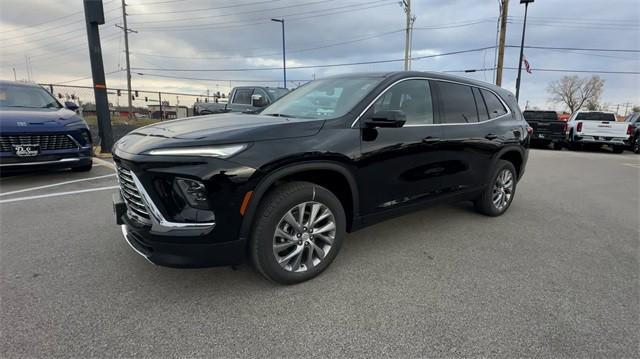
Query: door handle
point(491, 137)
point(431, 139)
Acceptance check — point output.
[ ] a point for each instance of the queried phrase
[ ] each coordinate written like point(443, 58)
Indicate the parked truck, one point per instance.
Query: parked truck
point(242, 99)
point(598, 128)
point(547, 128)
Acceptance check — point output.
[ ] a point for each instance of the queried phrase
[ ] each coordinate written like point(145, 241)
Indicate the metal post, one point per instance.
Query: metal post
point(126, 48)
point(160, 102)
point(524, 26)
point(284, 52)
point(94, 16)
point(501, 41)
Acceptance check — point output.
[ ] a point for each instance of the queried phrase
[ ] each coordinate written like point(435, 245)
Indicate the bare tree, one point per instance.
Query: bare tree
point(576, 92)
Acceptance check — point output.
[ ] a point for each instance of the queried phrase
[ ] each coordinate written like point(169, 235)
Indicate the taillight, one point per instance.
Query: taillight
point(529, 130)
point(579, 127)
point(629, 130)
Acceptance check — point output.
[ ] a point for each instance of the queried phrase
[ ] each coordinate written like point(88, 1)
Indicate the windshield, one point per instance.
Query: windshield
point(541, 115)
point(323, 99)
point(277, 92)
point(26, 97)
point(596, 116)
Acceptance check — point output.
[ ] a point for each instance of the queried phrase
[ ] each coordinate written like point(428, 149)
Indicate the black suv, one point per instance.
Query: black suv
point(333, 156)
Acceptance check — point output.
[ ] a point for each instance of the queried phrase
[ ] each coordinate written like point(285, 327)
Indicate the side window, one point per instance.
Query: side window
point(495, 106)
point(413, 97)
point(243, 96)
point(457, 103)
point(483, 114)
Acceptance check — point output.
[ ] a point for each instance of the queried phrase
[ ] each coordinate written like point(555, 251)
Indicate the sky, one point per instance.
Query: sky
point(236, 43)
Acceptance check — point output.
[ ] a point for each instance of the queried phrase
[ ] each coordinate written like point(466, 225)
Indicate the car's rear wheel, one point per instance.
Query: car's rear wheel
point(635, 145)
point(298, 231)
point(557, 146)
point(617, 149)
point(497, 197)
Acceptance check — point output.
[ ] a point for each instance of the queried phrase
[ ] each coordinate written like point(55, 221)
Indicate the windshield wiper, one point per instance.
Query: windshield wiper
point(280, 115)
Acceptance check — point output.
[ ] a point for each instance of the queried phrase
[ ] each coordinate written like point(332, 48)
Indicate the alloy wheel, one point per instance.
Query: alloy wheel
point(304, 236)
point(503, 189)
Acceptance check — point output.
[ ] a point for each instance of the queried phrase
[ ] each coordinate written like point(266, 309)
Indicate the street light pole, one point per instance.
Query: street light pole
point(284, 52)
point(524, 27)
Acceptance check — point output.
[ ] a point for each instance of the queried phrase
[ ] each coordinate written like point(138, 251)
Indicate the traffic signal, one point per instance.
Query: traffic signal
point(118, 91)
point(146, 99)
point(136, 93)
point(133, 97)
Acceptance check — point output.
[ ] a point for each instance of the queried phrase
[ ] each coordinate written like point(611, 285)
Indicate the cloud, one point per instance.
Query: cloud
point(226, 35)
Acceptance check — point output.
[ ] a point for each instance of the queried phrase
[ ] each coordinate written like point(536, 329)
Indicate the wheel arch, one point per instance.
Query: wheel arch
point(337, 175)
point(515, 155)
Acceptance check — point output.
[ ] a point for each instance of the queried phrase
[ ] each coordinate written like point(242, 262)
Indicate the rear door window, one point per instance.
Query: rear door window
point(483, 114)
point(457, 104)
point(494, 105)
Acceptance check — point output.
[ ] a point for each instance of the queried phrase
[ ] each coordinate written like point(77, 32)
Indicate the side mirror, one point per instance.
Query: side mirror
point(70, 106)
point(258, 101)
point(388, 119)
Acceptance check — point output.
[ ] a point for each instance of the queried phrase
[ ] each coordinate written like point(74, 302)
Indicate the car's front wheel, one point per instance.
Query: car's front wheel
point(297, 233)
point(497, 197)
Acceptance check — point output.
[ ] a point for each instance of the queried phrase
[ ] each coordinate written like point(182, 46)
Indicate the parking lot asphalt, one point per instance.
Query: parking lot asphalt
point(556, 276)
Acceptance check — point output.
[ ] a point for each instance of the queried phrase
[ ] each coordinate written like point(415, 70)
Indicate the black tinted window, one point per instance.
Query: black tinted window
point(243, 96)
point(457, 103)
point(483, 114)
point(596, 116)
point(540, 115)
point(413, 97)
point(494, 105)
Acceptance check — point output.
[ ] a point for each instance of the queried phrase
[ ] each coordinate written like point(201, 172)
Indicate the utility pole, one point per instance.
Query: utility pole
point(504, 11)
point(126, 49)
point(406, 5)
point(15, 77)
point(94, 16)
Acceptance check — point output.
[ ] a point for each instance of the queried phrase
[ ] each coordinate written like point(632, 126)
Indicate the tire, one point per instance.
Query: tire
point(635, 144)
point(315, 254)
point(83, 168)
point(573, 145)
point(617, 149)
point(557, 146)
point(485, 203)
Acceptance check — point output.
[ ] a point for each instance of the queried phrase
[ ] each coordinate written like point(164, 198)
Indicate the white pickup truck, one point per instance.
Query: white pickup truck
point(597, 128)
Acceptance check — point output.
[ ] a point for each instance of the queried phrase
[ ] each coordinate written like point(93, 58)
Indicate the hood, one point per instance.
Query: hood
point(232, 127)
point(36, 119)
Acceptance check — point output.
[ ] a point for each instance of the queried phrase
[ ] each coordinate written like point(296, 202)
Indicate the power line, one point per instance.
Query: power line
point(213, 80)
point(209, 17)
point(265, 20)
point(581, 71)
point(84, 78)
point(314, 66)
point(205, 9)
point(276, 53)
point(575, 48)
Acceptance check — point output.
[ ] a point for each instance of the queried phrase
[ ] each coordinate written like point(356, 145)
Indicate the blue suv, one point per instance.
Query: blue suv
point(37, 132)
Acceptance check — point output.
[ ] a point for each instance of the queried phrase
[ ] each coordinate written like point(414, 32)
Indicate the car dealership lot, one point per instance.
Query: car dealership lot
point(557, 275)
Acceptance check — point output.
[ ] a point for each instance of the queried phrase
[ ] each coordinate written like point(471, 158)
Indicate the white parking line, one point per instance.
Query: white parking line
point(56, 184)
point(104, 163)
point(58, 194)
point(634, 165)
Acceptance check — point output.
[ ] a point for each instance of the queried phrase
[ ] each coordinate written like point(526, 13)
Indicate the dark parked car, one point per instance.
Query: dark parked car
point(284, 186)
point(36, 131)
point(634, 128)
point(548, 129)
point(243, 99)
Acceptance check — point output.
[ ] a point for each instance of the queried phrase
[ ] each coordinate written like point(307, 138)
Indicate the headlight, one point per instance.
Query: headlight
point(225, 151)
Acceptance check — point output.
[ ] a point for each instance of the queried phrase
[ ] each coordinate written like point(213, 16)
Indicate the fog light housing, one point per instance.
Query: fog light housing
point(86, 136)
point(193, 192)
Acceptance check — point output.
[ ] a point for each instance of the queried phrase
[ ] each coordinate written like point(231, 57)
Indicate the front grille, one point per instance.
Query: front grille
point(130, 193)
point(46, 142)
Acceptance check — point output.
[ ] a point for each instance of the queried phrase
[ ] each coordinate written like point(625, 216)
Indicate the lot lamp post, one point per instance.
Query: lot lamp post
point(284, 53)
point(524, 27)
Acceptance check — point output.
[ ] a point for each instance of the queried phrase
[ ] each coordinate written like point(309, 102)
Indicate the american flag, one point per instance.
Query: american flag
point(527, 66)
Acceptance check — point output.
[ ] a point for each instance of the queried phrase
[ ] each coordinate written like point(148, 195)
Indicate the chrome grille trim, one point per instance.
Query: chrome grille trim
point(131, 195)
point(46, 142)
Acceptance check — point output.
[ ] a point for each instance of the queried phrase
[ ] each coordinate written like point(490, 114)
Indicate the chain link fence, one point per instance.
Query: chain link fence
point(147, 107)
